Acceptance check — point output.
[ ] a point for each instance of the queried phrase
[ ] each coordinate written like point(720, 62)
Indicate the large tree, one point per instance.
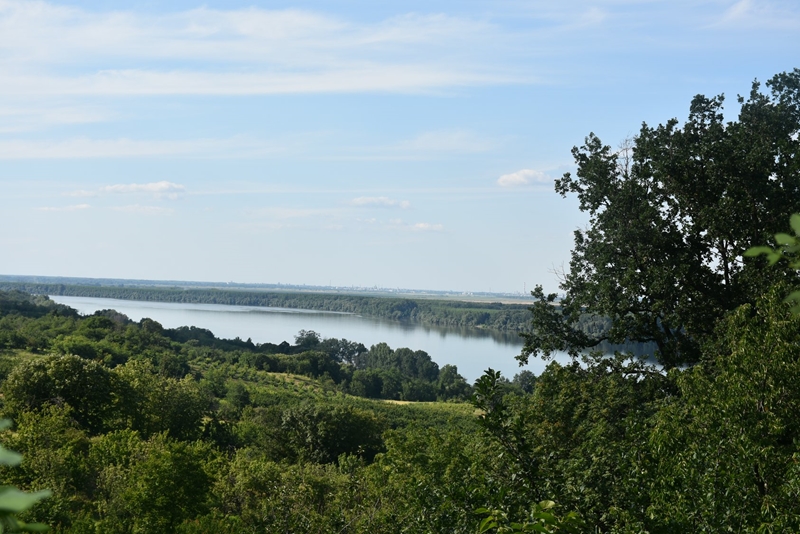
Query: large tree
point(670, 218)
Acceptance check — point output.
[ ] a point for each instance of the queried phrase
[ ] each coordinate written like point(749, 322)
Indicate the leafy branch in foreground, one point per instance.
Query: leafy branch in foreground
point(503, 424)
point(789, 250)
point(541, 518)
point(12, 500)
point(507, 426)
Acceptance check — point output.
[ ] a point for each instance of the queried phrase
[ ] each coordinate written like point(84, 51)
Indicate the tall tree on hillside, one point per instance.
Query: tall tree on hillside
point(670, 218)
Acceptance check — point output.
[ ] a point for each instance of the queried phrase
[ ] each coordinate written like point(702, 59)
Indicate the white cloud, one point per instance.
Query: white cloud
point(159, 189)
point(51, 49)
point(74, 207)
point(381, 202)
point(523, 177)
point(146, 210)
point(427, 227)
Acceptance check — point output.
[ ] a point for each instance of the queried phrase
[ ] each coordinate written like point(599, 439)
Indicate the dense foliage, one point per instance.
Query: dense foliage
point(187, 437)
point(670, 219)
point(706, 449)
point(138, 429)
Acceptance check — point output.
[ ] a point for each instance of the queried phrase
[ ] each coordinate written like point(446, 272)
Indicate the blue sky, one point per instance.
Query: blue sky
point(398, 144)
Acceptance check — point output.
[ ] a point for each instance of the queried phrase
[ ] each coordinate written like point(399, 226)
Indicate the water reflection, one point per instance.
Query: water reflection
point(506, 338)
point(472, 350)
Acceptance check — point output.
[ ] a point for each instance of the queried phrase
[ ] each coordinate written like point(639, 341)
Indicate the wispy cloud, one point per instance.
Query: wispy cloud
point(162, 189)
point(86, 148)
point(400, 224)
point(74, 207)
point(24, 116)
point(426, 145)
point(277, 218)
point(283, 213)
point(447, 141)
point(523, 177)
point(427, 227)
point(80, 193)
point(145, 210)
point(159, 189)
point(423, 146)
point(355, 78)
point(380, 202)
point(52, 49)
point(760, 14)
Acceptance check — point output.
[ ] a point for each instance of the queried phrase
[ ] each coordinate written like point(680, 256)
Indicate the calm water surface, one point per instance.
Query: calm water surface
point(471, 350)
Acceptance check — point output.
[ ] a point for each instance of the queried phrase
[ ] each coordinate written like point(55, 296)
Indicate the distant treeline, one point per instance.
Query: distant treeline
point(445, 313)
point(38, 325)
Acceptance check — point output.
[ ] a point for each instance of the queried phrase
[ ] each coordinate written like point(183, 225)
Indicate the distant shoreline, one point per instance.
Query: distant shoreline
point(456, 296)
point(423, 309)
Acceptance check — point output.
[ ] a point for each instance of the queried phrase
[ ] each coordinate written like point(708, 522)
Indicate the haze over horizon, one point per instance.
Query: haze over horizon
point(342, 143)
point(45, 279)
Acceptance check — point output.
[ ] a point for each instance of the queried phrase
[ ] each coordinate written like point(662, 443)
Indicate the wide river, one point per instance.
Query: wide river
point(472, 350)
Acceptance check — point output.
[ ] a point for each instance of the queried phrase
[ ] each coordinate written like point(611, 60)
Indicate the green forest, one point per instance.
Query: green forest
point(692, 247)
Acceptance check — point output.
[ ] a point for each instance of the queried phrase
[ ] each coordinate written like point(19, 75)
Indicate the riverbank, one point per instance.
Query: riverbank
point(493, 316)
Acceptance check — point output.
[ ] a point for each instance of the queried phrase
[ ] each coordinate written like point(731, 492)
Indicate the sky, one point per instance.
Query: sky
point(348, 143)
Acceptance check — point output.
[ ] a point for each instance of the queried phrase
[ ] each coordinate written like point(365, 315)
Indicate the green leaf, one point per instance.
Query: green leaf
point(752, 252)
point(547, 517)
point(794, 221)
point(546, 505)
point(8, 457)
point(15, 501)
point(487, 524)
point(33, 527)
point(5, 424)
point(794, 298)
point(784, 239)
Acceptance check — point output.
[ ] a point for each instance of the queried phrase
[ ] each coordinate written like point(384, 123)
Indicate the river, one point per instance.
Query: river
point(471, 350)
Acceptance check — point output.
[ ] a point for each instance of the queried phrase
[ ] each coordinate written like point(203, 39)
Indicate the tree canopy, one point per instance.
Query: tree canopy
point(671, 216)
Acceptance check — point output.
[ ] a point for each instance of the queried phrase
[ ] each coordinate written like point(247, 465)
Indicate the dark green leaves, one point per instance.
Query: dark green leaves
point(671, 216)
point(12, 500)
